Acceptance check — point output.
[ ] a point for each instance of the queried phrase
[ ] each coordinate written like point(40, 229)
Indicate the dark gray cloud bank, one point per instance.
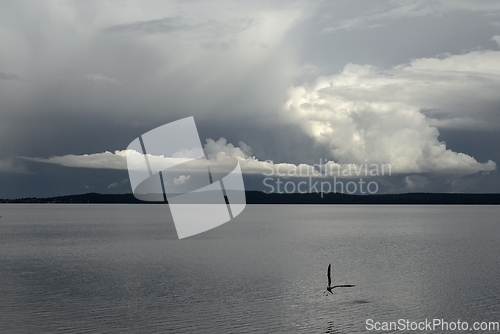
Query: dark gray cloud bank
point(412, 84)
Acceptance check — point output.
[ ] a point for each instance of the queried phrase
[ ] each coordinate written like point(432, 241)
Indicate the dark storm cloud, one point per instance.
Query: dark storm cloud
point(101, 74)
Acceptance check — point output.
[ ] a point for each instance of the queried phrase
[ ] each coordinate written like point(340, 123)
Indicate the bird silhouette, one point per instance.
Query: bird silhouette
point(329, 287)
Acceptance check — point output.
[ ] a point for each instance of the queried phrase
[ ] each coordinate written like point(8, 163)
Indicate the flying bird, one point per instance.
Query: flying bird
point(329, 287)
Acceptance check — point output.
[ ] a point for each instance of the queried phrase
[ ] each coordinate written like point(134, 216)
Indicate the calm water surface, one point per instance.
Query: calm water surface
point(120, 268)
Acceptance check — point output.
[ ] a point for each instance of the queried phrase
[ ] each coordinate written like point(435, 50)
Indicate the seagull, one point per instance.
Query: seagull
point(329, 287)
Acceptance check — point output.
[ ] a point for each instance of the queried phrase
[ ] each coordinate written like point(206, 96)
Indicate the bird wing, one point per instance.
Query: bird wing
point(343, 286)
point(328, 274)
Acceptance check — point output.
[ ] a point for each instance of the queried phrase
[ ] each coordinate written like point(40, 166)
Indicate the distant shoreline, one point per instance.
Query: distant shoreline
point(257, 197)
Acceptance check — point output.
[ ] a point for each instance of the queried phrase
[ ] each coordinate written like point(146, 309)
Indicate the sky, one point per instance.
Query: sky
point(280, 85)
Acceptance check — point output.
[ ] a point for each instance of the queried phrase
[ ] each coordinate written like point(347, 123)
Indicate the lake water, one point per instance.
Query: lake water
point(120, 268)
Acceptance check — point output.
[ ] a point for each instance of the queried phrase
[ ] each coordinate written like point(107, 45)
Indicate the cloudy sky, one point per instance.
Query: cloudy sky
point(412, 84)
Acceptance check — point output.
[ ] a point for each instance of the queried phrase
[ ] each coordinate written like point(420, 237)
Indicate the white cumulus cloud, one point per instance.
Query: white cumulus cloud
point(181, 179)
point(220, 154)
point(369, 114)
point(106, 160)
point(214, 149)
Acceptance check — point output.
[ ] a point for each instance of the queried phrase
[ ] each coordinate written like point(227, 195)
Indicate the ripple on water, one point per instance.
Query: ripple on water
point(117, 269)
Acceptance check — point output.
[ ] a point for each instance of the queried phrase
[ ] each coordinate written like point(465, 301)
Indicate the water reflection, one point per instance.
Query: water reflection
point(112, 268)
